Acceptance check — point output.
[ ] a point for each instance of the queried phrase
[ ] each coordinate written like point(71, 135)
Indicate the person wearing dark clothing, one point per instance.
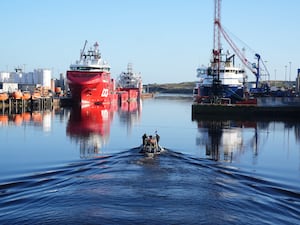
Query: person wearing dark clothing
point(144, 137)
point(157, 138)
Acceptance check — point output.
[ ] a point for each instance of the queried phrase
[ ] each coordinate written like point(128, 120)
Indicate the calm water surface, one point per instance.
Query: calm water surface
point(84, 167)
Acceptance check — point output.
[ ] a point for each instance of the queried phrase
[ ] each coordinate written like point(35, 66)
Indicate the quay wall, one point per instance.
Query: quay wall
point(248, 112)
point(278, 101)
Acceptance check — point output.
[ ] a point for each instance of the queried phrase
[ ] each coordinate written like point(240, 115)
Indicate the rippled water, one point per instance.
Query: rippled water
point(74, 168)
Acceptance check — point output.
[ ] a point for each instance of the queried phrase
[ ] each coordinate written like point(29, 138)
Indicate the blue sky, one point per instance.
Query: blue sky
point(165, 40)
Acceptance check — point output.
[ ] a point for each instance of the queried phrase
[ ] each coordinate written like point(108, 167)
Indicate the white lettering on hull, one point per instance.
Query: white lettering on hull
point(104, 92)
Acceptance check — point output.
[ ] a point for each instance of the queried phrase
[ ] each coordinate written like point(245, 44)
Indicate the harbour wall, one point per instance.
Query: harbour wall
point(278, 101)
point(245, 112)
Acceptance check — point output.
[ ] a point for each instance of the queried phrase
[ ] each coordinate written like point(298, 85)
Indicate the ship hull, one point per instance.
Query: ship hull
point(89, 87)
point(133, 94)
point(234, 93)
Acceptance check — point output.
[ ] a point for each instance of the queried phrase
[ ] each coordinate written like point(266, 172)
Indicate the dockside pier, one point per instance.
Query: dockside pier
point(21, 105)
point(248, 112)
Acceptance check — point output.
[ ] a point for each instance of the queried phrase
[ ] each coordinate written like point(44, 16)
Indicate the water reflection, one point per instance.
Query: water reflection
point(130, 114)
point(90, 128)
point(41, 119)
point(227, 140)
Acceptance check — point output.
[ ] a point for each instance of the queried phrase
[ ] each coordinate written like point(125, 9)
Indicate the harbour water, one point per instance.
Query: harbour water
point(84, 167)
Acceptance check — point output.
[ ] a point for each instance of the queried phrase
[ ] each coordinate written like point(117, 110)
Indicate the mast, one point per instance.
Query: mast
point(217, 22)
point(257, 74)
point(82, 51)
point(217, 37)
point(129, 68)
point(217, 88)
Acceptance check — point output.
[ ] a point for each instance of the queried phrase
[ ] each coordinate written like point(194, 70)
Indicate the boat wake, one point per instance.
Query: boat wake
point(121, 188)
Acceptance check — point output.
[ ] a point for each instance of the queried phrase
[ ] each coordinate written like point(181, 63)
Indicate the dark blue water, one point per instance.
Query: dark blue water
point(70, 167)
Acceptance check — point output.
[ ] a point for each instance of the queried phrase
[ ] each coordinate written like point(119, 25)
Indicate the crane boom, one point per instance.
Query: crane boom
point(82, 51)
point(236, 50)
point(218, 30)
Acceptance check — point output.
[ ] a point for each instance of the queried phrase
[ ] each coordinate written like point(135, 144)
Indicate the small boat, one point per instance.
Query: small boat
point(36, 94)
point(17, 94)
point(3, 96)
point(150, 146)
point(26, 95)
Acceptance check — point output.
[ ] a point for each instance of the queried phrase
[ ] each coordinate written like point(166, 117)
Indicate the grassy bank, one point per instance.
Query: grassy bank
point(182, 88)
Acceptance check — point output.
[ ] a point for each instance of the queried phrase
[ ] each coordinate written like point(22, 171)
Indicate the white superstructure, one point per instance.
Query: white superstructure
point(129, 79)
point(229, 74)
point(90, 60)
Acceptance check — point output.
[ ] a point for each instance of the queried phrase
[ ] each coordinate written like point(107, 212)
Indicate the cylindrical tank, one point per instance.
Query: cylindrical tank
point(46, 78)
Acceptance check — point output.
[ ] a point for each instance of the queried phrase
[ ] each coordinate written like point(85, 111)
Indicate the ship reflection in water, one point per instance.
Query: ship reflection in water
point(130, 113)
point(222, 139)
point(90, 128)
point(227, 140)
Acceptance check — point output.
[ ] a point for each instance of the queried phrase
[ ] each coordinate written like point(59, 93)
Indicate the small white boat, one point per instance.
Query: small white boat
point(150, 146)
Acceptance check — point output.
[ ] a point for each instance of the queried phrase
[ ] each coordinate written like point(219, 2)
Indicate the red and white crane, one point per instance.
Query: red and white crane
point(255, 68)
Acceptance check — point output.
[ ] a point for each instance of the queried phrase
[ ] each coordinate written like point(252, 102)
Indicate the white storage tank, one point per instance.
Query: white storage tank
point(4, 76)
point(46, 81)
point(42, 77)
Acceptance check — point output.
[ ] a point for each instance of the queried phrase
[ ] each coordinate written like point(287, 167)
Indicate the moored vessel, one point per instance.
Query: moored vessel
point(36, 94)
point(89, 78)
point(26, 95)
point(3, 96)
point(229, 85)
point(17, 94)
point(222, 82)
point(129, 85)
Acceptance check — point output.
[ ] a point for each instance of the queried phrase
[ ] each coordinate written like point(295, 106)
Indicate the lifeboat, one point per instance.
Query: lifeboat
point(58, 91)
point(17, 94)
point(26, 95)
point(36, 95)
point(3, 96)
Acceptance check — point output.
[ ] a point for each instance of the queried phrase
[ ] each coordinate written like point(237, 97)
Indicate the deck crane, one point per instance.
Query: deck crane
point(255, 68)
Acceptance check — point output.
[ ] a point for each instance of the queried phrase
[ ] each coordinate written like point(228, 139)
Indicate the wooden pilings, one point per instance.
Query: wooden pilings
point(11, 105)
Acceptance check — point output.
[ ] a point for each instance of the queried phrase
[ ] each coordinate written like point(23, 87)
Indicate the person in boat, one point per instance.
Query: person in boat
point(151, 141)
point(144, 137)
point(148, 140)
point(157, 137)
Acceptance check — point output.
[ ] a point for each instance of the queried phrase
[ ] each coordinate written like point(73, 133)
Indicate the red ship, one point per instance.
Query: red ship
point(89, 78)
point(129, 85)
